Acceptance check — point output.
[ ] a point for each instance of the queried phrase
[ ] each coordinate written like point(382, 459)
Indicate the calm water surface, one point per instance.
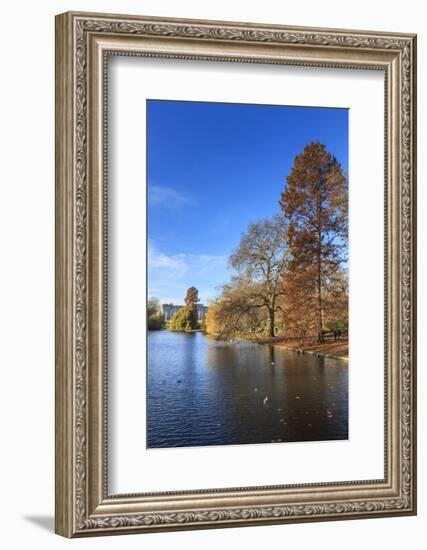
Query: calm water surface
point(207, 392)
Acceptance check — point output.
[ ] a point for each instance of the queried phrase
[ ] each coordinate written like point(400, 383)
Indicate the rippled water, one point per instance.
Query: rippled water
point(207, 392)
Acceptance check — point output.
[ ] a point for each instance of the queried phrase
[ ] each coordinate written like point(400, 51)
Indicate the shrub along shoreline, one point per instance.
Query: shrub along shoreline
point(331, 348)
point(336, 349)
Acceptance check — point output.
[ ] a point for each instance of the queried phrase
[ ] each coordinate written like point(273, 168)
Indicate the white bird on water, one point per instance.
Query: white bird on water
point(265, 401)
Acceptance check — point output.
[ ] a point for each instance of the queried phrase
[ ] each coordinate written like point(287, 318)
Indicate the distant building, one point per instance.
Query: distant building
point(201, 312)
point(169, 310)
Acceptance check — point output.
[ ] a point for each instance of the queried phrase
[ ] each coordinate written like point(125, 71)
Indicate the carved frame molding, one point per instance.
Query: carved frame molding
point(83, 43)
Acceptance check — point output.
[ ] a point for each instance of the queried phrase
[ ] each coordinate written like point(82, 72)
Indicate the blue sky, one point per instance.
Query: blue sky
point(212, 169)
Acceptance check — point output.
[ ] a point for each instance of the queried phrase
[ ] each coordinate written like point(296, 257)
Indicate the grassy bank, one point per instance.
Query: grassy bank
point(332, 348)
point(338, 348)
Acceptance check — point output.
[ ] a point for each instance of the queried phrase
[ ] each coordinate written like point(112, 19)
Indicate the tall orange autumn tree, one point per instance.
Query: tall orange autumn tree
point(315, 204)
point(191, 299)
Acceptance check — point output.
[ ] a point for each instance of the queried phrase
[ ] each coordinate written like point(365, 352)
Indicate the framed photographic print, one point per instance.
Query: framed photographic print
point(235, 274)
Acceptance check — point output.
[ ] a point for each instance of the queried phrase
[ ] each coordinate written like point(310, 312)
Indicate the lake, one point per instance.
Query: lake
point(203, 391)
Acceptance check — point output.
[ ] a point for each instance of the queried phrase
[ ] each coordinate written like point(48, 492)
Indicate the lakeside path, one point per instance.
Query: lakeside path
point(338, 348)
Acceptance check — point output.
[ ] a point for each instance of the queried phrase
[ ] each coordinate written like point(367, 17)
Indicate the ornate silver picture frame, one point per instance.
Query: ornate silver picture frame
point(84, 42)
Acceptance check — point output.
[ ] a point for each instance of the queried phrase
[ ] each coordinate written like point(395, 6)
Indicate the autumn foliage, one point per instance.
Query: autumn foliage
point(186, 318)
point(211, 322)
point(192, 299)
point(315, 205)
point(291, 269)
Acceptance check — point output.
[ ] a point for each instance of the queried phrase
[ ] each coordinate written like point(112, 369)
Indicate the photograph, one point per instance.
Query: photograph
point(248, 274)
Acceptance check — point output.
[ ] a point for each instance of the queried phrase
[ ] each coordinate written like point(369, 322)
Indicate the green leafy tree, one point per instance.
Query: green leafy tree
point(155, 319)
point(184, 320)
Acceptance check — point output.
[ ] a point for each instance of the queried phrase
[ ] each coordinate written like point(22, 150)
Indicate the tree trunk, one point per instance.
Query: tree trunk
point(319, 274)
point(319, 277)
point(271, 322)
point(319, 297)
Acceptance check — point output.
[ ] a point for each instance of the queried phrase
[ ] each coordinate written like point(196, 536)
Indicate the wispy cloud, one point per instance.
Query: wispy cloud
point(168, 197)
point(158, 260)
point(169, 276)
